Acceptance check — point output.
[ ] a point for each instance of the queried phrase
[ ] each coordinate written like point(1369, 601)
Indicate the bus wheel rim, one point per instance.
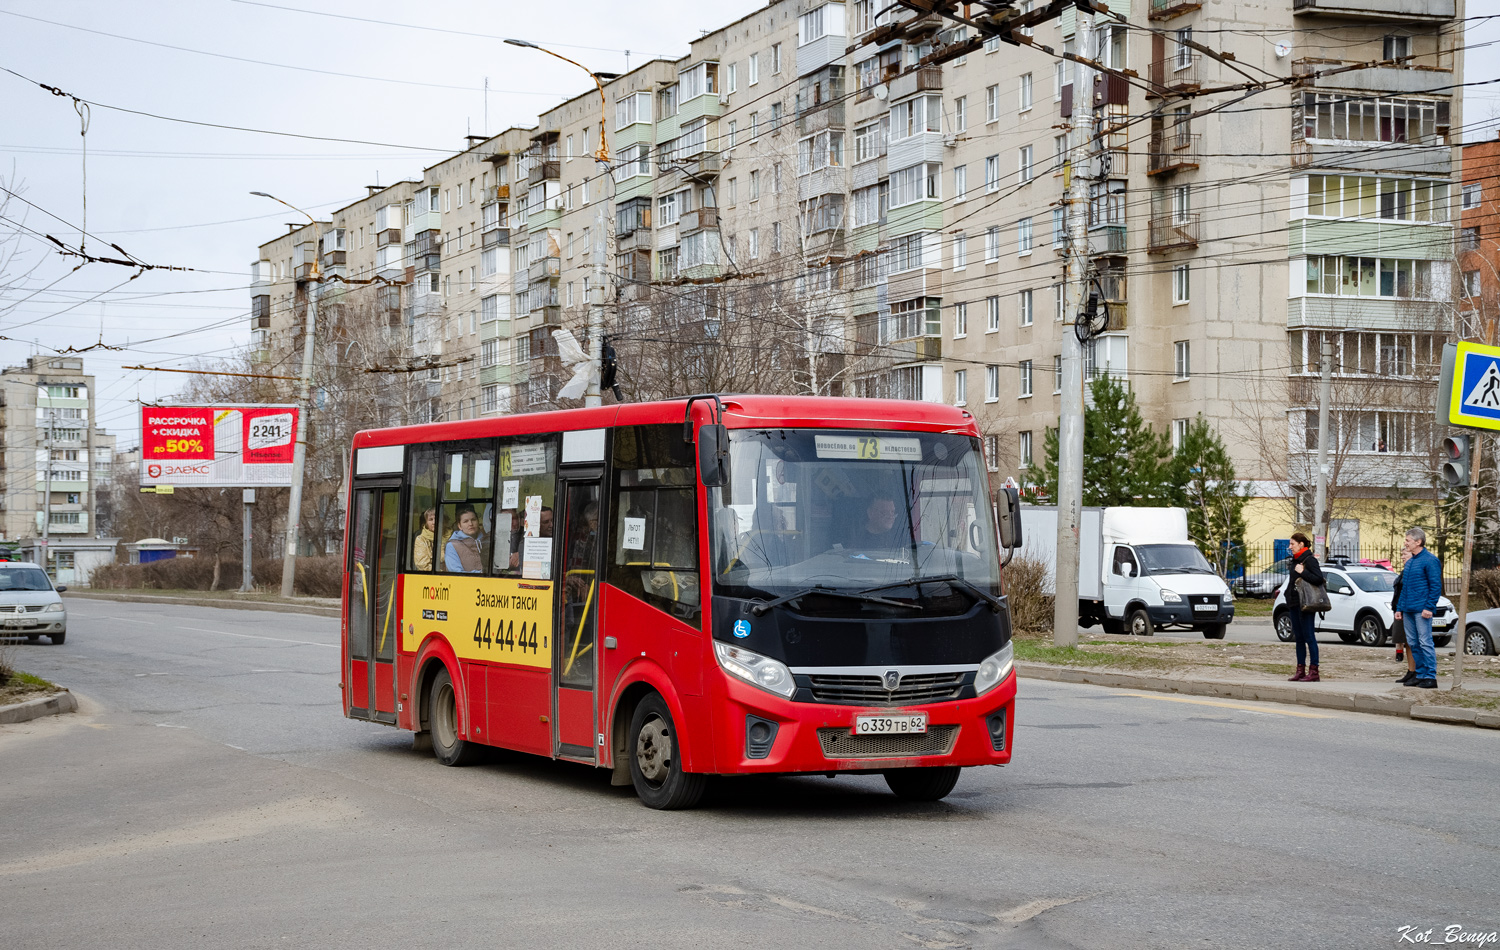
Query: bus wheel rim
point(653, 751)
point(445, 722)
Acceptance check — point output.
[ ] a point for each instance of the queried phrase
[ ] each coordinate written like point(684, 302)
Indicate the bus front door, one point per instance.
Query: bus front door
point(575, 659)
point(373, 622)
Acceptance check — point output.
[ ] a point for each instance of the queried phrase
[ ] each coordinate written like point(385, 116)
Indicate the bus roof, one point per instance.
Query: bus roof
point(740, 412)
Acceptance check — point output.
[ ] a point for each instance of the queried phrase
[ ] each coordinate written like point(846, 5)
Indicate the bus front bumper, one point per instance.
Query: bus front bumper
point(819, 737)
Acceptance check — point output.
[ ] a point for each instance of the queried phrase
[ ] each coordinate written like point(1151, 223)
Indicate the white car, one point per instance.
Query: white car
point(1359, 598)
point(29, 604)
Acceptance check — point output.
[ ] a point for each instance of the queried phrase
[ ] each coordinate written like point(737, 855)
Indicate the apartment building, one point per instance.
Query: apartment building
point(901, 227)
point(1479, 236)
point(50, 442)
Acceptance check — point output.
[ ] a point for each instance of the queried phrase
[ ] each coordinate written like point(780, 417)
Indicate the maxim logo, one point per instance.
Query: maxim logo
point(435, 593)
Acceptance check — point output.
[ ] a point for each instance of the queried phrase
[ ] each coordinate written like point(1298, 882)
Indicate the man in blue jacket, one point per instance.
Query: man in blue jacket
point(1421, 586)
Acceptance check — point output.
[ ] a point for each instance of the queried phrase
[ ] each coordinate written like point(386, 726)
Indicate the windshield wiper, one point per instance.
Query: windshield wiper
point(864, 596)
point(952, 579)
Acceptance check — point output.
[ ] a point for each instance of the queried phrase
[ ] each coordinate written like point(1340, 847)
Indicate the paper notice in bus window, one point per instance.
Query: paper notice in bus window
point(868, 447)
point(536, 558)
point(528, 460)
point(502, 541)
point(510, 494)
point(481, 473)
point(455, 474)
point(635, 534)
point(533, 515)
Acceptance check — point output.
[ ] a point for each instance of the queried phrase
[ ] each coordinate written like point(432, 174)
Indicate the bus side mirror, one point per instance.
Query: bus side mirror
point(1008, 506)
point(713, 455)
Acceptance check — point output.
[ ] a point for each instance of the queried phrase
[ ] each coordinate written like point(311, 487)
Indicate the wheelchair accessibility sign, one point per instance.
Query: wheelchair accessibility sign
point(1471, 386)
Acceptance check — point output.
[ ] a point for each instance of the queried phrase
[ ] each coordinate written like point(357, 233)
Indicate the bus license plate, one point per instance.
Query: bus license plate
point(1206, 607)
point(889, 725)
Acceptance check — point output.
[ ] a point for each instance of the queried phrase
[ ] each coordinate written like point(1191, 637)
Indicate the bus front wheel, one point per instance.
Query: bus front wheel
point(655, 761)
point(442, 719)
point(923, 784)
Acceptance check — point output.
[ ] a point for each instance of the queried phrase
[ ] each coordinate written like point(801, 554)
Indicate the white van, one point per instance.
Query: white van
point(1138, 570)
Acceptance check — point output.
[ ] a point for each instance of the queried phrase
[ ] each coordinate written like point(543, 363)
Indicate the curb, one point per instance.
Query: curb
point(318, 610)
point(49, 705)
point(1349, 701)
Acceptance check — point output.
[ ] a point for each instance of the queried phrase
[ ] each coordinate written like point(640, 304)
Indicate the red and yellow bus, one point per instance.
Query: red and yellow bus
point(716, 585)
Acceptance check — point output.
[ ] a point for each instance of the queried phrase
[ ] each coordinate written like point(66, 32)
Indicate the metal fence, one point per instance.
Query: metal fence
point(1245, 562)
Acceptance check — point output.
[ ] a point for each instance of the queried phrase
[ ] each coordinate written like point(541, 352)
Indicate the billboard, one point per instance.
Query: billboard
point(218, 446)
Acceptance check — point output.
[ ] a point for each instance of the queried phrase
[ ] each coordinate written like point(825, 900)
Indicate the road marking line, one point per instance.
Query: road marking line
point(1209, 702)
point(251, 636)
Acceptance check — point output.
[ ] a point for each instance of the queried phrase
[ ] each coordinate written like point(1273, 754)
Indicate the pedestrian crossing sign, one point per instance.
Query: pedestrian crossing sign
point(1473, 394)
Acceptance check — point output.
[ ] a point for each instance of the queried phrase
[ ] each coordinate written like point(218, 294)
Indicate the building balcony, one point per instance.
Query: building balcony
point(544, 171)
point(1383, 80)
point(1423, 10)
point(333, 259)
point(388, 236)
point(426, 305)
point(1172, 232)
point(1168, 9)
point(1175, 75)
point(496, 237)
point(705, 165)
point(544, 268)
point(1172, 152)
point(1107, 239)
point(703, 219)
point(923, 79)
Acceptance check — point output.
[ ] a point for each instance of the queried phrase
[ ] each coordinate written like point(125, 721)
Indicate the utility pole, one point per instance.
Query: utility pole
point(47, 493)
point(1461, 629)
point(1070, 420)
point(591, 395)
point(1320, 502)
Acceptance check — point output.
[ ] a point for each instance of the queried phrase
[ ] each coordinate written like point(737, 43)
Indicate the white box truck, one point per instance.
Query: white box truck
point(1138, 571)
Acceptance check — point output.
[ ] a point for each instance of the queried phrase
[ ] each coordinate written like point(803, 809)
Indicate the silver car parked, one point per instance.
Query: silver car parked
point(1482, 632)
point(29, 604)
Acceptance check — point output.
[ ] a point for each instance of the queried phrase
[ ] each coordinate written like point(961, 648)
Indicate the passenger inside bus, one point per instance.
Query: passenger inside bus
point(583, 549)
point(421, 554)
point(465, 549)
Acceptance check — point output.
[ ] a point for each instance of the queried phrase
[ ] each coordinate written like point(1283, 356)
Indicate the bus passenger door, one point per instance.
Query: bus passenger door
point(373, 623)
point(575, 658)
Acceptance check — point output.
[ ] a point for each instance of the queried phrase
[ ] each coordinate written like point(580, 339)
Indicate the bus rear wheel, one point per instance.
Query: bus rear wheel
point(923, 785)
point(442, 719)
point(655, 760)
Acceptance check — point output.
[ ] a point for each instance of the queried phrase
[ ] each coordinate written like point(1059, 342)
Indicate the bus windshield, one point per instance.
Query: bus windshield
point(852, 510)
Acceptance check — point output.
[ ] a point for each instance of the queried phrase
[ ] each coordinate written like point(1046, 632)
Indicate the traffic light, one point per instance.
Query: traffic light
point(1456, 461)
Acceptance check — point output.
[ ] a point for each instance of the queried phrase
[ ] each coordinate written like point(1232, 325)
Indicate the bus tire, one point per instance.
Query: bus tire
point(923, 784)
point(655, 762)
point(1138, 623)
point(1215, 631)
point(442, 720)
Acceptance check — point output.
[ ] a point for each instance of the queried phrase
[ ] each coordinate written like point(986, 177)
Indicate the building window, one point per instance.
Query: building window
point(960, 251)
point(1025, 91)
point(1025, 163)
point(1179, 434)
point(1395, 46)
point(1026, 312)
point(775, 58)
point(992, 104)
point(754, 243)
point(489, 353)
point(1025, 380)
point(1059, 227)
point(960, 387)
point(960, 321)
point(992, 452)
point(992, 174)
point(1026, 449)
point(1023, 236)
point(961, 114)
point(1471, 284)
point(992, 384)
point(991, 245)
point(960, 182)
point(1059, 302)
point(992, 314)
point(1182, 361)
point(1056, 375)
point(1473, 195)
point(754, 68)
point(1180, 284)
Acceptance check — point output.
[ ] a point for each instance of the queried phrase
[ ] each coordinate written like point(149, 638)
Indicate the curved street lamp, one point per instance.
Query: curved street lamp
point(603, 153)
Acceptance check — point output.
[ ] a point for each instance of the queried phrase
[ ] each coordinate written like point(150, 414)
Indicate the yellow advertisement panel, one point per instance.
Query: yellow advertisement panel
point(500, 619)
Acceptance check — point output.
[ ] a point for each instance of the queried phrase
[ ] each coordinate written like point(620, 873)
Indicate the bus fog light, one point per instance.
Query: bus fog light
point(762, 671)
point(994, 670)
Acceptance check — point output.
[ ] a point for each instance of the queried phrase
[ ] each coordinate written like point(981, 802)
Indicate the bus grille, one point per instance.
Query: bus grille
point(839, 744)
point(869, 691)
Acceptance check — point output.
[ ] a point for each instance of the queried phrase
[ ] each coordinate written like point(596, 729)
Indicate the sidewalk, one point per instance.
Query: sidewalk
point(317, 606)
point(1380, 697)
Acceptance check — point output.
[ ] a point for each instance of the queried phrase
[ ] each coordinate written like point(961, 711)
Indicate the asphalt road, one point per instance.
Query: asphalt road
point(209, 794)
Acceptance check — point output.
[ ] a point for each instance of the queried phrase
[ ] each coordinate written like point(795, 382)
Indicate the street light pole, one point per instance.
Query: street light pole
point(591, 396)
point(299, 455)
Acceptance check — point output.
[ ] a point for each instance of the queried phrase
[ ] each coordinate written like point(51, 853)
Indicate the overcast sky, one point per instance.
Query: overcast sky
point(177, 194)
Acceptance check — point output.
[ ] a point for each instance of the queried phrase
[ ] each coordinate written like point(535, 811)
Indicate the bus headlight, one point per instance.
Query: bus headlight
point(770, 675)
point(994, 670)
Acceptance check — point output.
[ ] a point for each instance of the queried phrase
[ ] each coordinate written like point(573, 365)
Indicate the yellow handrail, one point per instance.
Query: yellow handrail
point(578, 637)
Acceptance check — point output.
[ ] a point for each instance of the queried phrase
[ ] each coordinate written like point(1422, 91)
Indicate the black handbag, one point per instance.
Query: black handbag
point(1314, 597)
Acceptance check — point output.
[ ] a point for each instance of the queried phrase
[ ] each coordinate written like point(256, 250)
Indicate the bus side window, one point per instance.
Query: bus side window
point(654, 534)
point(423, 479)
point(527, 469)
point(466, 516)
